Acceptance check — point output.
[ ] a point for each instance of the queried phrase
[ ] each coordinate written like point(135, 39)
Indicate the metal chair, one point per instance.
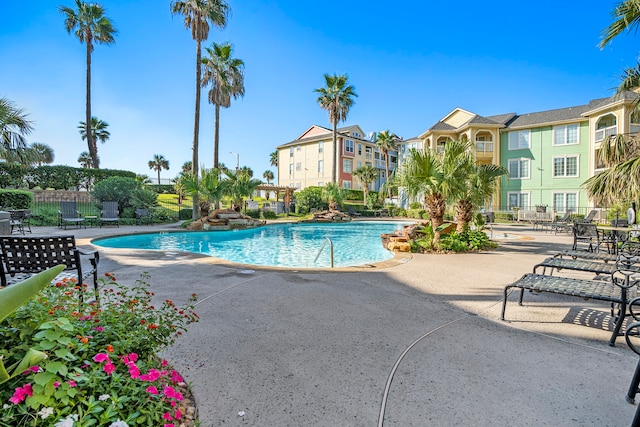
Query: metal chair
point(69, 214)
point(586, 233)
point(110, 214)
point(143, 216)
point(16, 220)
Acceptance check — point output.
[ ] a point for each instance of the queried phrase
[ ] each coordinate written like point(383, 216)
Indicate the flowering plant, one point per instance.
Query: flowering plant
point(102, 367)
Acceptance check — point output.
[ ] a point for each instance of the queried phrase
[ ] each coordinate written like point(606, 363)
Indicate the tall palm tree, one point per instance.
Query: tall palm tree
point(14, 128)
point(336, 97)
point(158, 163)
point(41, 153)
point(99, 132)
point(273, 158)
point(246, 170)
point(366, 174)
point(198, 16)
point(386, 141)
point(85, 159)
point(268, 176)
point(225, 74)
point(90, 25)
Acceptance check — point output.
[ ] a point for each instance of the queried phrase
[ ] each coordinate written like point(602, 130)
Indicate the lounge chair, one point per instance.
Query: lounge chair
point(142, 216)
point(110, 214)
point(590, 217)
point(563, 223)
point(351, 211)
point(69, 214)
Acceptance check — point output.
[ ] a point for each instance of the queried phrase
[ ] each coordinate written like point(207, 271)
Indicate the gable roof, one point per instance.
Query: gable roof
point(549, 116)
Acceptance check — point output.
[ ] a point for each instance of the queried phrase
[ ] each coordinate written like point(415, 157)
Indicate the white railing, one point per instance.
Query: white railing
point(484, 148)
point(603, 133)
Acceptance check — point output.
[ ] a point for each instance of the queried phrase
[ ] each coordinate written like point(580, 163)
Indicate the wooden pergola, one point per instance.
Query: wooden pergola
point(288, 193)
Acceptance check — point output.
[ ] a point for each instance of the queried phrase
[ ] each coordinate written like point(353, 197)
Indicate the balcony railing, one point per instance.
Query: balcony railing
point(484, 149)
point(603, 133)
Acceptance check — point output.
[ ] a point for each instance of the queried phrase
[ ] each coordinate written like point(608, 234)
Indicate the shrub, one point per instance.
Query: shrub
point(269, 215)
point(17, 199)
point(416, 213)
point(143, 198)
point(309, 198)
point(101, 366)
point(253, 213)
point(116, 189)
point(466, 241)
point(415, 205)
point(184, 214)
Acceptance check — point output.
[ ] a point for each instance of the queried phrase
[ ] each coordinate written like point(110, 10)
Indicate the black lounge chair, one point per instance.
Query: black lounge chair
point(110, 214)
point(69, 214)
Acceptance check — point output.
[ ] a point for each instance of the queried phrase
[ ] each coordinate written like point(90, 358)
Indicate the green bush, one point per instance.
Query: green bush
point(416, 213)
point(143, 198)
point(185, 214)
point(466, 241)
point(269, 215)
point(350, 194)
point(415, 205)
point(16, 199)
point(253, 213)
point(309, 198)
point(396, 211)
point(116, 189)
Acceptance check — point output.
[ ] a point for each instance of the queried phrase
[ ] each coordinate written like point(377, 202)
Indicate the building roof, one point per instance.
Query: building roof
point(442, 126)
point(343, 131)
point(549, 116)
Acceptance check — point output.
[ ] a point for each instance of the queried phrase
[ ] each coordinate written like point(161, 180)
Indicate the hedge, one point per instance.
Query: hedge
point(55, 177)
point(16, 199)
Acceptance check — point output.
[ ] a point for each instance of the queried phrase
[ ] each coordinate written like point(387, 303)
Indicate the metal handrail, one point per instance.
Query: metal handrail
point(322, 248)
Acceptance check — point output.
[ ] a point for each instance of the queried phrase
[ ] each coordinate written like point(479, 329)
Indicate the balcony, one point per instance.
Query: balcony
point(484, 149)
point(603, 133)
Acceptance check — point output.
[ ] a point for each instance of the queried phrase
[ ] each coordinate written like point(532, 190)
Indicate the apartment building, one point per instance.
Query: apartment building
point(548, 154)
point(307, 160)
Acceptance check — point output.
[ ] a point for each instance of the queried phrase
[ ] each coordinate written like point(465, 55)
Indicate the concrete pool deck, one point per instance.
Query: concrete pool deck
point(307, 348)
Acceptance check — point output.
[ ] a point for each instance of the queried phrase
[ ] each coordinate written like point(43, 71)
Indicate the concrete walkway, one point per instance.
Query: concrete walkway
point(416, 344)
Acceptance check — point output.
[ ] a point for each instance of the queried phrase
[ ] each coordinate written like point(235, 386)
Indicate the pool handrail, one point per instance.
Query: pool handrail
point(322, 248)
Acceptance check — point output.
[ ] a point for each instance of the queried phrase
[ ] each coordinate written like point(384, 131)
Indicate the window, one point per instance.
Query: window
point(383, 174)
point(320, 183)
point(320, 166)
point(291, 169)
point(298, 166)
point(566, 166)
point(359, 164)
point(359, 149)
point(356, 134)
point(291, 152)
point(518, 200)
point(346, 184)
point(347, 164)
point(298, 185)
point(563, 202)
point(519, 168)
point(367, 152)
point(393, 159)
point(520, 139)
point(320, 146)
point(565, 135)
point(348, 146)
point(298, 148)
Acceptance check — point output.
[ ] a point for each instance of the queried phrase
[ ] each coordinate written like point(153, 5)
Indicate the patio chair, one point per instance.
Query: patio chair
point(109, 214)
point(69, 214)
point(26, 221)
point(563, 223)
point(586, 233)
point(16, 220)
point(351, 211)
point(590, 217)
point(143, 216)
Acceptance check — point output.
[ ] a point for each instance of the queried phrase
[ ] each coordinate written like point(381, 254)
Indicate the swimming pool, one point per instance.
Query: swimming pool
point(293, 245)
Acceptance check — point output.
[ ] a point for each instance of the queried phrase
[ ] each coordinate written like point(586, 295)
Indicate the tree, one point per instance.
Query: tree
point(336, 97)
point(626, 18)
point(273, 158)
point(158, 163)
point(198, 16)
point(386, 141)
point(208, 190)
point(333, 195)
point(90, 25)
point(14, 128)
point(366, 174)
point(41, 153)
point(246, 170)
point(268, 176)
point(238, 186)
point(99, 132)
point(225, 74)
point(186, 168)
point(85, 159)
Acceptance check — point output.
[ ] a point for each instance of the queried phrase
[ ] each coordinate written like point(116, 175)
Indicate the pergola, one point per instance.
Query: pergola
point(288, 193)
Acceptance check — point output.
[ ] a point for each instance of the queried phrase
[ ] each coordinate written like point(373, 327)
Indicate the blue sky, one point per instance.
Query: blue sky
point(411, 63)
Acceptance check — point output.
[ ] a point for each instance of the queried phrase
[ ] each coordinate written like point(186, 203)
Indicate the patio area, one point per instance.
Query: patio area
point(416, 344)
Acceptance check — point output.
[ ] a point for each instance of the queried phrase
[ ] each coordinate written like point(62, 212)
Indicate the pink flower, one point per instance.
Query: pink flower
point(169, 425)
point(167, 416)
point(133, 357)
point(177, 415)
point(134, 371)
point(151, 390)
point(98, 328)
point(72, 383)
point(101, 357)
point(171, 393)
point(109, 368)
point(56, 384)
point(34, 368)
point(153, 375)
point(164, 362)
point(21, 394)
point(175, 377)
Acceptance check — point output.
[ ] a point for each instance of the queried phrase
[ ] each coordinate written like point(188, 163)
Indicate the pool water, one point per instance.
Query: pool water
point(293, 245)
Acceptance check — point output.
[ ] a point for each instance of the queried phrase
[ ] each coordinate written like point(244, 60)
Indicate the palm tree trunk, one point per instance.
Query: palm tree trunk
point(196, 129)
point(386, 156)
point(216, 136)
point(464, 214)
point(92, 152)
point(435, 207)
point(365, 191)
point(335, 150)
point(158, 176)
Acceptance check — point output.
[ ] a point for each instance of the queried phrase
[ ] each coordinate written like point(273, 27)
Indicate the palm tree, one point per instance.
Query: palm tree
point(85, 159)
point(99, 132)
point(225, 74)
point(273, 158)
point(158, 163)
point(90, 25)
point(186, 168)
point(337, 98)
point(41, 153)
point(268, 176)
point(14, 127)
point(333, 195)
point(208, 190)
point(198, 16)
point(386, 141)
point(246, 170)
point(366, 174)
point(626, 18)
point(238, 185)
point(423, 173)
